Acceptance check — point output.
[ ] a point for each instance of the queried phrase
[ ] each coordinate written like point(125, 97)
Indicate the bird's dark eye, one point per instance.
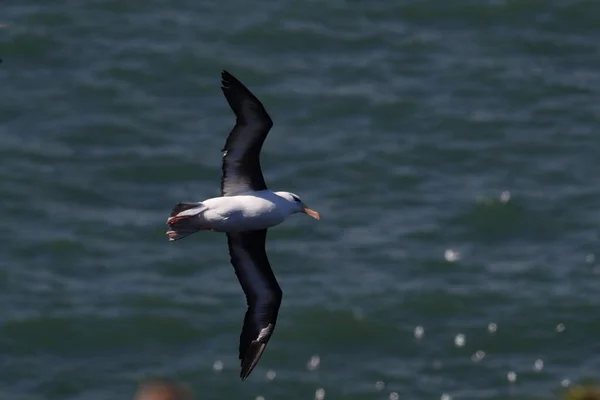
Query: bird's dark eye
point(296, 198)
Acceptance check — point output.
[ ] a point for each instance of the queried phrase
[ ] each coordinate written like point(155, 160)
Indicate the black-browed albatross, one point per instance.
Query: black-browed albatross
point(245, 210)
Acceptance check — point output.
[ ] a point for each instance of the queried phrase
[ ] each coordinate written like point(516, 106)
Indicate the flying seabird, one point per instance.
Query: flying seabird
point(244, 211)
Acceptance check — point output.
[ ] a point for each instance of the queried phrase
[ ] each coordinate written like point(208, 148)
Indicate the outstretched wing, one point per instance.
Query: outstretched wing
point(263, 294)
point(241, 158)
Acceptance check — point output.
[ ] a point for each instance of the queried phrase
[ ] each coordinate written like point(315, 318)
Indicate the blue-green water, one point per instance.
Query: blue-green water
point(452, 149)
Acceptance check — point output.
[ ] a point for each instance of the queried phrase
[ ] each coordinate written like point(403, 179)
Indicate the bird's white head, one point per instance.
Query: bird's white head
point(296, 205)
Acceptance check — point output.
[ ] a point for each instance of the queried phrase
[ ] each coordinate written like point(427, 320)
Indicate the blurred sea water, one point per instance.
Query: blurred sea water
point(450, 147)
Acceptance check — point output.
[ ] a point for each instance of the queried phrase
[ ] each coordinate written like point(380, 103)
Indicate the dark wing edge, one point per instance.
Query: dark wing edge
point(263, 295)
point(241, 160)
point(244, 104)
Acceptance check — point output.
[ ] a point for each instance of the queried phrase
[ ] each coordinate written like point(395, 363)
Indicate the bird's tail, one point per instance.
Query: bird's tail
point(185, 220)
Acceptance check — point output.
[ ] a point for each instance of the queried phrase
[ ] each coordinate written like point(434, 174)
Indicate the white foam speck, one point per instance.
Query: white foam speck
point(320, 394)
point(218, 366)
point(492, 327)
point(459, 340)
point(512, 377)
point(538, 365)
point(419, 332)
point(313, 363)
point(478, 356)
point(451, 255)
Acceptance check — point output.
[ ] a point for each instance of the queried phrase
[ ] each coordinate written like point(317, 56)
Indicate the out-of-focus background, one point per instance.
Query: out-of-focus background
point(452, 148)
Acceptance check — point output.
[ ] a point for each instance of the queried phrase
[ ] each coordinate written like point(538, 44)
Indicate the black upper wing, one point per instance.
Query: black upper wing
point(241, 160)
point(263, 294)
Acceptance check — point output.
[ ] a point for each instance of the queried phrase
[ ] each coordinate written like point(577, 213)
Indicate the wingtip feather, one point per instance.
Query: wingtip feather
point(251, 358)
point(227, 79)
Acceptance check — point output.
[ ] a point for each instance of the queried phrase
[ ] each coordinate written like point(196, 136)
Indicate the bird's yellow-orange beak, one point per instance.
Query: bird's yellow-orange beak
point(310, 212)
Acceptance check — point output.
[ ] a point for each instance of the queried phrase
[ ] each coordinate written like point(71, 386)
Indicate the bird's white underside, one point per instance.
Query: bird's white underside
point(250, 211)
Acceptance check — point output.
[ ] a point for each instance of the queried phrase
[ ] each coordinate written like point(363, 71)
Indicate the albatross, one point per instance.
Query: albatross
point(244, 211)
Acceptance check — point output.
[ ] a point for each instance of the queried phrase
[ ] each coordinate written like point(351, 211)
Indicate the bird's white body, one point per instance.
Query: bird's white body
point(251, 211)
